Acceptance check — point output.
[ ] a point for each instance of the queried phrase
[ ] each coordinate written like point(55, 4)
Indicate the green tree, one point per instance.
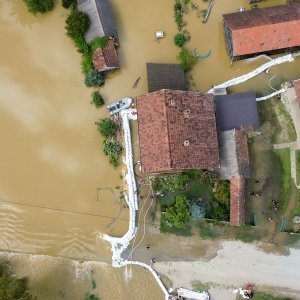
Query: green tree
point(86, 64)
point(187, 59)
point(77, 23)
point(97, 99)
point(107, 127)
point(94, 79)
point(12, 287)
point(179, 39)
point(113, 150)
point(68, 3)
point(222, 192)
point(179, 215)
point(39, 6)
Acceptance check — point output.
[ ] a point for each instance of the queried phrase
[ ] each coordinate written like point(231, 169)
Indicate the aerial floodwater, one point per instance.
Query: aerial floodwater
point(58, 193)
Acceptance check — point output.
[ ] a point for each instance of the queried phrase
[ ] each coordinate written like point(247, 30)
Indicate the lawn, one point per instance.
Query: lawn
point(298, 166)
point(283, 156)
point(276, 124)
point(265, 296)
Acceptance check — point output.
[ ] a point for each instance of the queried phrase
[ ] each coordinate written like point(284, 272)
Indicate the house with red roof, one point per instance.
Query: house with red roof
point(268, 30)
point(177, 131)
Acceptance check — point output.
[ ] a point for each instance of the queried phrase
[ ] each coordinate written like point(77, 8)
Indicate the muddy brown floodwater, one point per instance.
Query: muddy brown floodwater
point(57, 191)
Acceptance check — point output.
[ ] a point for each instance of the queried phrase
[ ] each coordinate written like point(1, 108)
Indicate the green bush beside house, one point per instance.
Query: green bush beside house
point(39, 6)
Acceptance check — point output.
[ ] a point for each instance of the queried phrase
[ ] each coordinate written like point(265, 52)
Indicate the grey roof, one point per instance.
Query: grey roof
point(236, 111)
point(165, 76)
point(234, 157)
point(102, 22)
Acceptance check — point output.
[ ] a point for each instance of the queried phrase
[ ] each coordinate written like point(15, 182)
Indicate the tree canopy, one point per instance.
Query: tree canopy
point(12, 287)
point(77, 24)
point(179, 215)
point(39, 6)
point(107, 127)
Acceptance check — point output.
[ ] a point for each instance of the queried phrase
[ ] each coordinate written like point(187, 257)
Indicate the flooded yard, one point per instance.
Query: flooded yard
point(57, 190)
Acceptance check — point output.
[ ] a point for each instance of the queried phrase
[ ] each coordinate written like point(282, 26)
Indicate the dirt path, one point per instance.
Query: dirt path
point(292, 106)
point(235, 265)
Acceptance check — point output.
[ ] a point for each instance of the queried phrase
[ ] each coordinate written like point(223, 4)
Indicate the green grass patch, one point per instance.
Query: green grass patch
point(200, 286)
point(296, 210)
point(246, 234)
point(265, 296)
point(207, 231)
point(297, 153)
point(283, 156)
point(276, 123)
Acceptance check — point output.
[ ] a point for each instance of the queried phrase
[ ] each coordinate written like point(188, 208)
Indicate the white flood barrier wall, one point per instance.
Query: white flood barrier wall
point(262, 68)
point(119, 245)
point(271, 95)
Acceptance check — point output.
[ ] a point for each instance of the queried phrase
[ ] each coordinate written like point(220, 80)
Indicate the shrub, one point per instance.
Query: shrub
point(198, 210)
point(107, 127)
point(77, 23)
point(179, 39)
point(82, 46)
point(179, 215)
point(187, 59)
point(178, 20)
point(222, 192)
point(86, 64)
point(68, 3)
point(39, 6)
point(112, 148)
point(94, 78)
point(177, 7)
point(99, 42)
point(97, 99)
point(172, 183)
point(113, 151)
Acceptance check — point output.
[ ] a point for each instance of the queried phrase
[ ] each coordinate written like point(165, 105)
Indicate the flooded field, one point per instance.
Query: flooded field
point(57, 191)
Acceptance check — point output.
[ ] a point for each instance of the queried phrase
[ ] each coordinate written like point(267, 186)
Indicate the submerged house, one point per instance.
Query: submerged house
point(177, 131)
point(268, 30)
point(165, 76)
point(102, 24)
point(107, 58)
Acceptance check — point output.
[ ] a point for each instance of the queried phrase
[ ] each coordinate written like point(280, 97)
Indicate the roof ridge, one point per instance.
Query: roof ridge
point(168, 131)
point(98, 14)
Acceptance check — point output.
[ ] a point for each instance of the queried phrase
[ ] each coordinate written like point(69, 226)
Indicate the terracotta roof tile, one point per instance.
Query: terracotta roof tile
point(177, 130)
point(106, 58)
point(237, 200)
point(264, 30)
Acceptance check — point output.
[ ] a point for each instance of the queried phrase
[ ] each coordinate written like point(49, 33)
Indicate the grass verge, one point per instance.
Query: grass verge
point(297, 153)
point(283, 156)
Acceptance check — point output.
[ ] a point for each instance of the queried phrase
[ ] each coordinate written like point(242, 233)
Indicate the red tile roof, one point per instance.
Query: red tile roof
point(106, 58)
point(237, 200)
point(297, 89)
point(263, 30)
point(177, 130)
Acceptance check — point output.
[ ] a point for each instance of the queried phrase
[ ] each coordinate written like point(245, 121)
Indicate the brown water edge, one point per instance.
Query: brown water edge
point(51, 152)
point(58, 278)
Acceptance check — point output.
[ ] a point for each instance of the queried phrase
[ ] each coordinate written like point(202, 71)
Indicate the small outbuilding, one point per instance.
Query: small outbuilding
point(107, 58)
point(165, 76)
point(102, 22)
point(267, 30)
point(236, 111)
